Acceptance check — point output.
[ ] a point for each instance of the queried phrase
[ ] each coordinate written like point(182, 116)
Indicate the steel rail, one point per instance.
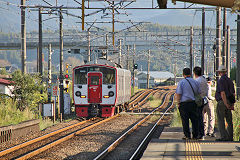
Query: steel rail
point(135, 154)
point(50, 145)
point(136, 95)
point(140, 97)
point(121, 138)
point(19, 146)
point(144, 100)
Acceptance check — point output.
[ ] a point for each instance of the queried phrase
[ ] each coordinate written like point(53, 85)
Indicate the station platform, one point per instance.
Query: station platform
point(170, 146)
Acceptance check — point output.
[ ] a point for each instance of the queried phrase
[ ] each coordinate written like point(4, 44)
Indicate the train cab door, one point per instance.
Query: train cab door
point(94, 87)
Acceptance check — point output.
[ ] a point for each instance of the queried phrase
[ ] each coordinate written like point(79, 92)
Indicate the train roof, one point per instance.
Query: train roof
point(103, 62)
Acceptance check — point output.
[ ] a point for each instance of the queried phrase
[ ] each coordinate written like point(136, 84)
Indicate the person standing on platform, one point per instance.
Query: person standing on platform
point(203, 92)
point(208, 112)
point(225, 97)
point(186, 103)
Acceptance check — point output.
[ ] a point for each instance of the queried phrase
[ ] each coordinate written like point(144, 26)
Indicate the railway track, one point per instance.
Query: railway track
point(31, 148)
point(111, 147)
point(38, 145)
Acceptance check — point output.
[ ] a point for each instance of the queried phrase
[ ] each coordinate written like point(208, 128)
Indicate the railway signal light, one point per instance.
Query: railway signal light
point(66, 82)
point(66, 76)
point(135, 66)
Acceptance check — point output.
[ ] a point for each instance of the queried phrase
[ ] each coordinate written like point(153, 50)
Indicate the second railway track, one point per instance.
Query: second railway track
point(118, 150)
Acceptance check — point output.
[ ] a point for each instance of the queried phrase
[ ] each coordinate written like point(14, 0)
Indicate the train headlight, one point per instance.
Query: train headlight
point(78, 94)
point(111, 94)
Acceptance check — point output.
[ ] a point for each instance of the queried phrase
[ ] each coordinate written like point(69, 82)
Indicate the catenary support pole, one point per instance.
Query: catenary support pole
point(49, 70)
point(134, 52)
point(106, 46)
point(148, 69)
point(113, 25)
point(23, 37)
point(228, 56)
point(83, 14)
point(203, 40)
point(224, 44)
point(89, 47)
point(191, 49)
point(128, 57)
point(218, 40)
point(61, 64)
point(238, 57)
point(120, 52)
point(40, 42)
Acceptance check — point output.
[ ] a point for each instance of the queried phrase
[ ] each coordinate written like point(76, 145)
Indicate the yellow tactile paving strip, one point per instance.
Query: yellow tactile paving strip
point(193, 150)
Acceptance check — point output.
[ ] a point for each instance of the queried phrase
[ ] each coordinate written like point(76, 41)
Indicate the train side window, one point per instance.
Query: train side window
point(80, 76)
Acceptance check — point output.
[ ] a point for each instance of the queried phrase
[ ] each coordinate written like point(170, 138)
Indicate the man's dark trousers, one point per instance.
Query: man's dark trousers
point(188, 110)
point(200, 122)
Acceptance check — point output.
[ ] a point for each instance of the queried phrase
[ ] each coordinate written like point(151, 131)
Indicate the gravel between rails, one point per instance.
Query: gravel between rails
point(32, 135)
point(128, 146)
point(46, 141)
point(92, 142)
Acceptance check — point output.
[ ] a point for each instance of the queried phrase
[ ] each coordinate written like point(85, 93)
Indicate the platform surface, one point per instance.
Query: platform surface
point(170, 146)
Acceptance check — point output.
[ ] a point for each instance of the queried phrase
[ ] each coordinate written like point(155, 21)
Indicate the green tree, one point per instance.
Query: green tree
point(3, 71)
point(27, 90)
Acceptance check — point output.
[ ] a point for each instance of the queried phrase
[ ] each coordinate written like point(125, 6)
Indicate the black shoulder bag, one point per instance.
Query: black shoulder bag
point(198, 98)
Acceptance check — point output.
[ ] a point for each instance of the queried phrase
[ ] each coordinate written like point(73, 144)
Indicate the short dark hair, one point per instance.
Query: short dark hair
point(197, 71)
point(186, 71)
point(209, 79)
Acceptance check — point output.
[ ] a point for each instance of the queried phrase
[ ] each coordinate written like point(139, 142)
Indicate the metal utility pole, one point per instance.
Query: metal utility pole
point(120, 52)
point(23, 37)
point(61, 64)
point(37, 59)
point(148, 76)
point(128, 57)
point(89, 47)
point(113, 25)
point(228, 56)
point(203, 40)
point(83, 14)
point(218, 40)
point(106, 47)
point(40, 42)
point(175, 72)
point(238, 57)
point(49, 70)
point(224, 45)
point(191, 49)
point(134, 50)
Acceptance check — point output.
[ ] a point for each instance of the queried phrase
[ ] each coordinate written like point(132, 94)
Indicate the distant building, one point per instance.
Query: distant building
point(5, 87)
point(156, 77)
point(160, 76)
point(142, 80)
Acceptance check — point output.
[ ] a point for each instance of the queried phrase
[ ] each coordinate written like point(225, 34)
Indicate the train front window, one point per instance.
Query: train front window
point(94, 80)
point(80, 76)
point(108, 75)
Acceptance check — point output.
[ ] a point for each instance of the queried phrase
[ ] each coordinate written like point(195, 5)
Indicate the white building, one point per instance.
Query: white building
point(5, 87)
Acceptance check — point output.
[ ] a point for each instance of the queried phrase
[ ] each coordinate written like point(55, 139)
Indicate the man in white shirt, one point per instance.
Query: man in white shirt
point(208, 112)
point(203, 92)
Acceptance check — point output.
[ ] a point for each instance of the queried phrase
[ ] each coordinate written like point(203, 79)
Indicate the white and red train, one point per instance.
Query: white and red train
point(100, 89)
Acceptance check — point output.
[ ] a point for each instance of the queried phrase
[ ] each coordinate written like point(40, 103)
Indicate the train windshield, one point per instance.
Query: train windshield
point(108, 75)
point(80, 76)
